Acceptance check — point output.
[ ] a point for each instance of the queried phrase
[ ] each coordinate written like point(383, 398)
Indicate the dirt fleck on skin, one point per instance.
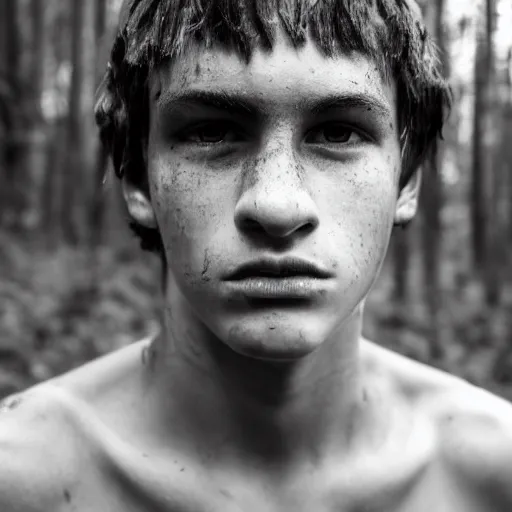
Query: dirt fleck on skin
point(10, 403)
point(206, 264)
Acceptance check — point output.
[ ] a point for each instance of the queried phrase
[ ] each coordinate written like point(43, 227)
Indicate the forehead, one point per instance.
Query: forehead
point(282, 75)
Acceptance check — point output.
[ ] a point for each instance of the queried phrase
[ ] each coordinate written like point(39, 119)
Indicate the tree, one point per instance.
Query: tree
point(506, 146)
point(97, 211)
point(401, 246)
point(36, 130)
point(77, 176)
point(10, 94)
point(485, 183)
point(431, 202)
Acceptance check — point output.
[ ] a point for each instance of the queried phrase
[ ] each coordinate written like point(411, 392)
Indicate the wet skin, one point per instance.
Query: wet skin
point(274, 406)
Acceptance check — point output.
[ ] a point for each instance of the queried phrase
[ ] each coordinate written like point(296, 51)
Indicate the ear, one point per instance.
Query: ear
point(407, 203)
point(139, 205)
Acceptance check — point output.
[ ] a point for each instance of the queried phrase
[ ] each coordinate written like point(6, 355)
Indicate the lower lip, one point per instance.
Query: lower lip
point(297, 287)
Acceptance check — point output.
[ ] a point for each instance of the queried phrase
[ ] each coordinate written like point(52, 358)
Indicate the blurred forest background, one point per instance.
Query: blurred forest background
point(74, 283)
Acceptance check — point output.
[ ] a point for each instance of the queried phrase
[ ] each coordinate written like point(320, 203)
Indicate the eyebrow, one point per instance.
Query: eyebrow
point(352, 100)
point(241, 105)
point(220, 100)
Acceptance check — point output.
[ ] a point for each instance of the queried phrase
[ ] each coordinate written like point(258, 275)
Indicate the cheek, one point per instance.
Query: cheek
point(363, 209)
point(187, 213)
point(377, 213)
point(365, 195)
point(168, 194)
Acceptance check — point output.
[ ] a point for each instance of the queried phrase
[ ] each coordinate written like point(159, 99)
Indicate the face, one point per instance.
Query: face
point(293, 154)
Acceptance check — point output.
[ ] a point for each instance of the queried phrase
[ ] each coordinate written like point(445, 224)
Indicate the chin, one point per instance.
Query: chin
point(272, 341)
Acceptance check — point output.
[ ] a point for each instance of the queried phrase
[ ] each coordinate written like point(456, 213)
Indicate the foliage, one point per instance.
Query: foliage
point(54, 317)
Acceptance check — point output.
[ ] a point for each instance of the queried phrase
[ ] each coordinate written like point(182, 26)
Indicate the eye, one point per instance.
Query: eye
point(333, 133)
point(212, 132)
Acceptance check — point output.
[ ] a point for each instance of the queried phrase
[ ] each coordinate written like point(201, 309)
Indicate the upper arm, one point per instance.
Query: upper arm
point(477, 447)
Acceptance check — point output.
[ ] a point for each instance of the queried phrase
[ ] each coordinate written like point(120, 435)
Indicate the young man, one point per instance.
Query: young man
point(266, 149)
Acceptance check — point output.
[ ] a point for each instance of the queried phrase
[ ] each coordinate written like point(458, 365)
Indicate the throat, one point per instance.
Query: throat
point(231, 408)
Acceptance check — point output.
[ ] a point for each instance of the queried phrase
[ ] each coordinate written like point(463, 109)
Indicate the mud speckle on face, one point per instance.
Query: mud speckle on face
point(206, 264)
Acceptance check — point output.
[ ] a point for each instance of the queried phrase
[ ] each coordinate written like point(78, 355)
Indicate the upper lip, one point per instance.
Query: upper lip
point(283, 267)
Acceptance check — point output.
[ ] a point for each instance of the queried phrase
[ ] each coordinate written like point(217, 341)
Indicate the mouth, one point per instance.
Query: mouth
point(286, 279)
point(279, 268)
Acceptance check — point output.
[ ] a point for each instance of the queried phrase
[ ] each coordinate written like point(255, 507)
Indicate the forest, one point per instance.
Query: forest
point(74, 283)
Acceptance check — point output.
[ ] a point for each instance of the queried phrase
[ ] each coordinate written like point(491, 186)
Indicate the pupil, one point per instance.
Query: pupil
point(213, 134)
point(337, 134)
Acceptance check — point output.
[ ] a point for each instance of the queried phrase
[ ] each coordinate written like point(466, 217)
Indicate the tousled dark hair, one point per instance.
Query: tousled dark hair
point(390, 32)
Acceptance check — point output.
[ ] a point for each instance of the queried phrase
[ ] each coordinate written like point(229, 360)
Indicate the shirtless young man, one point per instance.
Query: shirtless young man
point(276, 142)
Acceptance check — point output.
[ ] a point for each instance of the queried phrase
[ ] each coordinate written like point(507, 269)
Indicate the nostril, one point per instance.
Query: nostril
point(251, 225)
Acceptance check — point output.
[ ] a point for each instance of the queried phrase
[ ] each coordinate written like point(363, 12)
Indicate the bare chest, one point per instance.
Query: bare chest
point(188, 490)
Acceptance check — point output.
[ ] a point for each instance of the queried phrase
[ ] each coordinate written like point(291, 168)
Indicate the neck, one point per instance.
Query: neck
point(233, 407)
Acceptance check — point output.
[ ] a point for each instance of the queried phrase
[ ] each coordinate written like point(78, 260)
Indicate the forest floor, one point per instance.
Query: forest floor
point(54, 316)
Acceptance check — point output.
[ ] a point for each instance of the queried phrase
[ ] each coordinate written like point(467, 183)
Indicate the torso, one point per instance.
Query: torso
point(101, 460)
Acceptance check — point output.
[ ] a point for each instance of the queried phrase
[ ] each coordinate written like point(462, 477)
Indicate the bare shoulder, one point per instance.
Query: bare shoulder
point(475, 432)
point(38, 451)
point(58, 438)
point(473, 426)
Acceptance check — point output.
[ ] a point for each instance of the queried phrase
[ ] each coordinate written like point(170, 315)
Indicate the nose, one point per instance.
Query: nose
point(274, 200)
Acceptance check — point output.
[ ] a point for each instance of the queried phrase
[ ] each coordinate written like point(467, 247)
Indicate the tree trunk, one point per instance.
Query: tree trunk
point(52, 198)
point(77, 176)
point(478, 210)
point(491, 172)
point(485, 232)
point(5, 114)
point(11, 94)
point(506, 146)
point(97, 210)
point(502, 370)
point(431, 201)
point(401, 247)
point(36, 147)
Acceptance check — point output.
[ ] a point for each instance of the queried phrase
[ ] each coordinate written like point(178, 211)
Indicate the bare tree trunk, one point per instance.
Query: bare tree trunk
point(36, 150)
point(478, 210)
point(97, 210)
point(431, 208)
point(491, 171)
point(485, 232)
point(502, 370)
point(506, 146)
point(401, 247)
point(72, 177)
point(5, 112)
point(77, 182)
point(11, 206)
point(52, 197)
